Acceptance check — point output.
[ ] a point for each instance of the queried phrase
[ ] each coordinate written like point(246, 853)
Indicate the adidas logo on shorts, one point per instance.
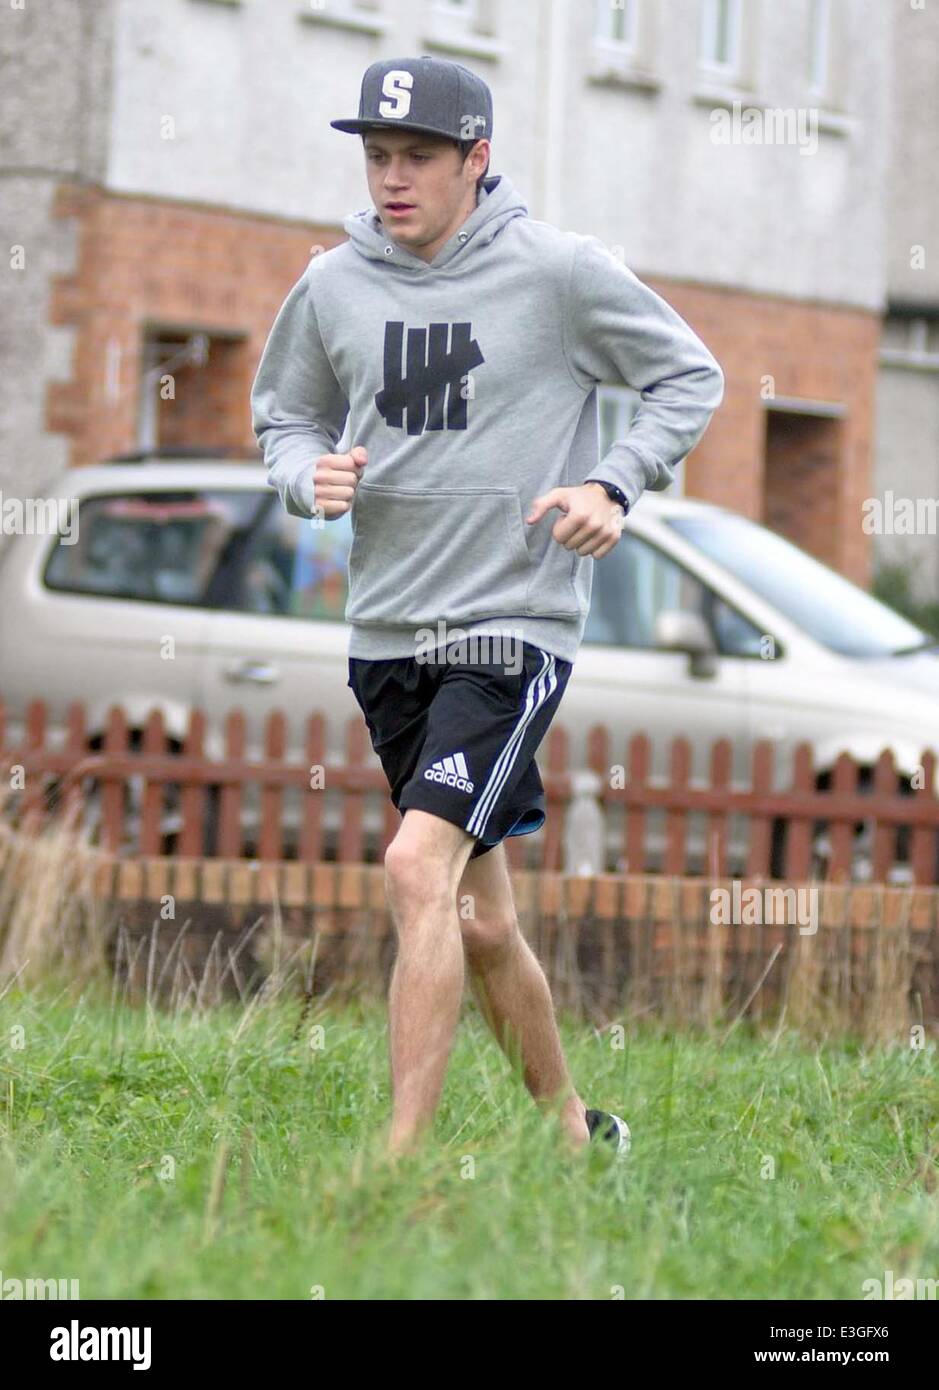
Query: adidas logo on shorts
point(452, 772)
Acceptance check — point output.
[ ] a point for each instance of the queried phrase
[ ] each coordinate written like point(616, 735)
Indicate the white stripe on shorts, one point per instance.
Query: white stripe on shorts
point(538, 691)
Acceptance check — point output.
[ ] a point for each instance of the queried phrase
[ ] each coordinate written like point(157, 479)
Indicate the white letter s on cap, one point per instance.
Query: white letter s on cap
point(397, 85)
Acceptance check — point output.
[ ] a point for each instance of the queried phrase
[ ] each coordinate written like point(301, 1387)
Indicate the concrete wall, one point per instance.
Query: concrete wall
point(913, 203)
point(907, 464)
point(251, 88)
point(907, 428)
point(641, 167)
point(54, 99)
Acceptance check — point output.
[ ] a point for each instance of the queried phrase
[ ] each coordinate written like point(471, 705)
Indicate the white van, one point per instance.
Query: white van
point(190, 585)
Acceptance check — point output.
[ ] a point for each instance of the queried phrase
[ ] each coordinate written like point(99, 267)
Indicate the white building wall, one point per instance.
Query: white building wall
point(643, 167)
point(251, 88)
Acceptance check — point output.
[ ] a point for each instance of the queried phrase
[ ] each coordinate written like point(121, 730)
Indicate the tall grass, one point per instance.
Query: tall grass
point(235, 1152)
point(176, 1126)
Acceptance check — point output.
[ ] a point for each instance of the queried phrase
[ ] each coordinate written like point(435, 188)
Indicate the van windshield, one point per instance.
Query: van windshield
point(823, 603)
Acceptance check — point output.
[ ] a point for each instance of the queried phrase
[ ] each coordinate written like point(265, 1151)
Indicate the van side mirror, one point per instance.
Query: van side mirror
point(679, 631)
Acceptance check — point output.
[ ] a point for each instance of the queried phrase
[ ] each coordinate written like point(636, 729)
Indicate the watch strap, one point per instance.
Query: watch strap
point(614, 493)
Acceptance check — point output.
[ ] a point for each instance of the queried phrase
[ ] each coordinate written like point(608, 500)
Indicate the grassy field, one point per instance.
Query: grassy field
point(224, 1156)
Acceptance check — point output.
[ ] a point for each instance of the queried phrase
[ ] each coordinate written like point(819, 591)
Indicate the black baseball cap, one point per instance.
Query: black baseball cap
point(432, 95)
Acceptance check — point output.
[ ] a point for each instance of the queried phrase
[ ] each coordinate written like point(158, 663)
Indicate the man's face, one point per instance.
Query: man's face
point(424, 174)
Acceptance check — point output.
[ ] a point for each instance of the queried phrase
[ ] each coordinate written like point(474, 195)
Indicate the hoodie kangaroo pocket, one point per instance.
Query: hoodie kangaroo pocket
point(456, 554)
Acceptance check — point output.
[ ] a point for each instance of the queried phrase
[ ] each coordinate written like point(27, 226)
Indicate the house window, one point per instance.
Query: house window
point(910, 341)
point(615, 23)
point(819, 45)
point(343, 8)
point(463, 27)
point(618, 405)
point(190, 387)
point(353, 16)
point(464, 11)
point(719, 35)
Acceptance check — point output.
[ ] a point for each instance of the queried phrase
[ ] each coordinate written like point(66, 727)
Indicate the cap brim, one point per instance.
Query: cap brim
point(354, 126)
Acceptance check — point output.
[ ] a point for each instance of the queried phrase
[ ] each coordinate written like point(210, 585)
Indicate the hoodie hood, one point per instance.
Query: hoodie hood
point(498, 204)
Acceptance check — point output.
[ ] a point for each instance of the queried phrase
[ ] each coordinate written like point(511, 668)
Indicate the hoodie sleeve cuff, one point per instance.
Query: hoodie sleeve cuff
point(624, 469)
point(292, 475)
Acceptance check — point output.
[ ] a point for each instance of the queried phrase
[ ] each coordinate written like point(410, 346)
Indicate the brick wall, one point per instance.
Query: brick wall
point(145, 264)
point(812, 352)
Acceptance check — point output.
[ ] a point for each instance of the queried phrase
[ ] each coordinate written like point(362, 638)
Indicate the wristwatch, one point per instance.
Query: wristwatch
point(612, 491)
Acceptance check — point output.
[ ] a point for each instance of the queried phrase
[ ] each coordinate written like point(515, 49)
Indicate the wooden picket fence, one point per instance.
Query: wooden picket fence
point(215, 790)
point(616, 948)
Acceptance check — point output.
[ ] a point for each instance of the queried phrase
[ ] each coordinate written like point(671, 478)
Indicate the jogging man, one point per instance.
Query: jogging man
point(465, 341)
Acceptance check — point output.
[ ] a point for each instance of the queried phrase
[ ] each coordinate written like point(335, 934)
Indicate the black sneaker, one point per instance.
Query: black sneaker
point(615, 1131)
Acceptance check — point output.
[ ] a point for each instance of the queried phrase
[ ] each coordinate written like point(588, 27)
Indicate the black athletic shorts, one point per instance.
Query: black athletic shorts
point(458, 739)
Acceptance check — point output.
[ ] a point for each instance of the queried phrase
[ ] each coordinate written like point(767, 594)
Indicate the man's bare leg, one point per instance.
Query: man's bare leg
point(512, 991)
point(423, 865)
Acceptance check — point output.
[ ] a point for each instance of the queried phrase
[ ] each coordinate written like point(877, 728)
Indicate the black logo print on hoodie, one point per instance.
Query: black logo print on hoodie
point(433, 376)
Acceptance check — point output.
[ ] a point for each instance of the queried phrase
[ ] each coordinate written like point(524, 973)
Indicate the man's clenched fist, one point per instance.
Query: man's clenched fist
point(335, 479)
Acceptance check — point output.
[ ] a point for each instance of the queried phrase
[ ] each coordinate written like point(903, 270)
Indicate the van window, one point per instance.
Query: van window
point(817, 599)
point(234, 550)
point(636, 582)
point(296, 569)
point(161, 547)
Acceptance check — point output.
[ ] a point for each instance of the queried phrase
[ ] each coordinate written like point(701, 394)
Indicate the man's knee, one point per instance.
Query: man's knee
point(402, 861)
point(489, 938)
point(423, 861)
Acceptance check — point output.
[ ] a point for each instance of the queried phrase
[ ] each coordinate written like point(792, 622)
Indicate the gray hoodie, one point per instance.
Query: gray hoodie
point(471, 381)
